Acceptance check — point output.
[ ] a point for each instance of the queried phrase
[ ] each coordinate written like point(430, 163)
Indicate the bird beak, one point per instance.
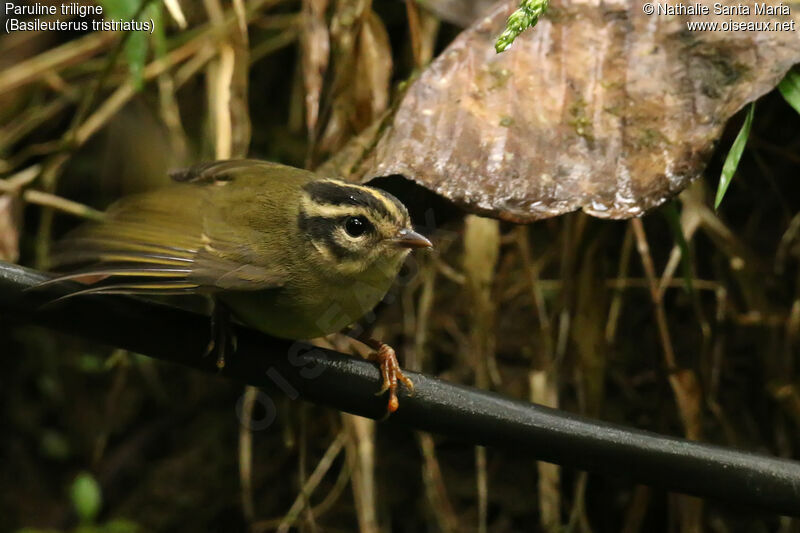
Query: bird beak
point(407, 238)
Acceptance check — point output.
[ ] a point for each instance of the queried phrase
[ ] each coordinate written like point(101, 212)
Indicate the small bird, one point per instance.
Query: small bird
point(285, 251)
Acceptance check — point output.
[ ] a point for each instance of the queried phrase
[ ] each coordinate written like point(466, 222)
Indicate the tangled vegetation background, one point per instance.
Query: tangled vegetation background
point(684, 322)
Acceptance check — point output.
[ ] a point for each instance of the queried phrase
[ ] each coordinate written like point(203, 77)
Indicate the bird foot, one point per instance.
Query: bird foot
point(386, 358)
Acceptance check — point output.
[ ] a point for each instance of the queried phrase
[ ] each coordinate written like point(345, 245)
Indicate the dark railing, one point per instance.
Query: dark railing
point(349, 384)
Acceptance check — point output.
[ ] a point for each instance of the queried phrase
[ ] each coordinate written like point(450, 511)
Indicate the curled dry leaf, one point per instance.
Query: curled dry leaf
point(373, 68)
point(362, 67)
point(315, 51)
point(599, 107)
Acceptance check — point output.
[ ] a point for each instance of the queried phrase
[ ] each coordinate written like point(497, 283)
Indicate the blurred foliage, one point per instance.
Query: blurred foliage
point(86, 497)
point(790, 89)
point(578, 313)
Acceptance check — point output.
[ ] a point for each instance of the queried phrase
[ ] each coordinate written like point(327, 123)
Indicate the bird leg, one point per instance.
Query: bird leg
point(222, 335)
point(386, 358)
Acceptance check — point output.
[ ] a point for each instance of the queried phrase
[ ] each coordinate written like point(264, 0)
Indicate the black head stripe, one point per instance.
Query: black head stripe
point(332, 193)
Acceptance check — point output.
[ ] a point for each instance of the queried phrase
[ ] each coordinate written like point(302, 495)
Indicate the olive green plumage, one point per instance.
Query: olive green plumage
point(290, 253)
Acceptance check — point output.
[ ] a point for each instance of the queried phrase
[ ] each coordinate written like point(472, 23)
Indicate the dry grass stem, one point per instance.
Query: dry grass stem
point(616, 301)
point(361, 458)
point(175, 11)
point(544, 391)
point(435, 488)
point(61, 204)
point(304, 497)
point(246, 453)
point(683, 382)
point(54, 59)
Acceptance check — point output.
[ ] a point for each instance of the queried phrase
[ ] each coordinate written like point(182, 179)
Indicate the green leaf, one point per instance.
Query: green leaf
point(520, 20)
point(86, 497)
point(734, 155)
point(790, 89)
point(54, 445)
point(120, 9)
point(674, 220)
point(137, 41)
point(136, 52)
point(90, 363)
point(155, 11)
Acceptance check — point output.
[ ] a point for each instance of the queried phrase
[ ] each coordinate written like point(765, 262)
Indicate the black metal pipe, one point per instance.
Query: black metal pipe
point(472, 415)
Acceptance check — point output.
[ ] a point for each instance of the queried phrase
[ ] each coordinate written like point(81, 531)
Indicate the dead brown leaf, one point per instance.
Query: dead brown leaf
point(315, 43)
point(362, 65)
point(599, 107)
point(373, 69)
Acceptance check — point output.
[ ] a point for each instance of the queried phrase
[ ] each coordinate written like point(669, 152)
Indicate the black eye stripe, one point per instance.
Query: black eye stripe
point(323, 229)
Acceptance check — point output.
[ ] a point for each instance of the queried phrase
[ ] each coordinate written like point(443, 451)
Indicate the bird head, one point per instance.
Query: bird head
point(355, 227)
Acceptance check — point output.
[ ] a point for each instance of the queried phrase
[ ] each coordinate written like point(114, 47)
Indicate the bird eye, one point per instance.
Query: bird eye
point(356, 226)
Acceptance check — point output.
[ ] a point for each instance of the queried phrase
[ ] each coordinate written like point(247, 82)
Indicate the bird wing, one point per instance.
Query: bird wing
point(194, 236)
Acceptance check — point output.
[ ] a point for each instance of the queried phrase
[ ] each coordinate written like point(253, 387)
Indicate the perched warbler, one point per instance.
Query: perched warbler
point(285, 251)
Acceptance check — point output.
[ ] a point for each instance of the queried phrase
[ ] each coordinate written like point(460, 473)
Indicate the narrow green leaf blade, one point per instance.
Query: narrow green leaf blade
point(790, 89)
point(137, 42)
point(136, 52)
point(734, 155)
point(117, 9)
point(155, 11)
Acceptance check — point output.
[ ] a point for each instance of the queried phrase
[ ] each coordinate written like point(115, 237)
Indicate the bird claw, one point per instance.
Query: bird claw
point(391, 373)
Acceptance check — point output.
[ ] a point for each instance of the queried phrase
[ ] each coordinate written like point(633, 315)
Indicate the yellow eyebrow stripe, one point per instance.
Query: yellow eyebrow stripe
point(313, 209)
